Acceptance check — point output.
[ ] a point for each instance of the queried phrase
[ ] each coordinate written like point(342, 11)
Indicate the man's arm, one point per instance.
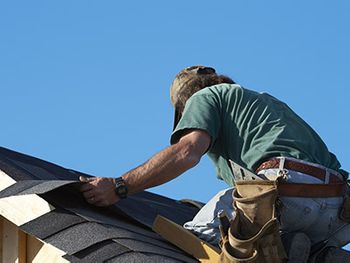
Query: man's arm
point(161, 168)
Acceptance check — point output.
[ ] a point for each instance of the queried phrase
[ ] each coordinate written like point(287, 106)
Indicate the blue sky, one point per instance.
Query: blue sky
point(85, 84)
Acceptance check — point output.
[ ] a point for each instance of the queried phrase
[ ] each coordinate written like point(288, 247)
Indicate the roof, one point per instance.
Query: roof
point(85, 233)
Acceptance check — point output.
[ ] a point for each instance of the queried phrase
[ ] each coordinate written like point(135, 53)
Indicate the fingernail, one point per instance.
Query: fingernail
point(83, 178)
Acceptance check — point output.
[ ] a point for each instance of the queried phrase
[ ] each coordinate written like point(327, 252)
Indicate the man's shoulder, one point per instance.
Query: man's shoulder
point(224, 87)
point(228, 92)
point(220, 90)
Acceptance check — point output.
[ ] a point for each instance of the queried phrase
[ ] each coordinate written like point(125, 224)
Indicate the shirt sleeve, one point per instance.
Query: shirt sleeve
point(202, 112)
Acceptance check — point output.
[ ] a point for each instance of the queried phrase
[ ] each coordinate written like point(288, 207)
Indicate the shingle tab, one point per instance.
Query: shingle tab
point(99, 253)
point(35, 187)
point(17, 172)
point(51, 223)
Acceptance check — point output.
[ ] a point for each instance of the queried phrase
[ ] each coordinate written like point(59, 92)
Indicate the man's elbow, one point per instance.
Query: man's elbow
point(190, 157)
point(193, 160)
point(192, 146)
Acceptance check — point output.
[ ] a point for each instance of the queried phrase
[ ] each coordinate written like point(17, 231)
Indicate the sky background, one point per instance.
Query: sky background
point(85, 84)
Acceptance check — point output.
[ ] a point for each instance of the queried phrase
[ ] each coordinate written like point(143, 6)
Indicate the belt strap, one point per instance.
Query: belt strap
point(311, 190)
point(317, 172)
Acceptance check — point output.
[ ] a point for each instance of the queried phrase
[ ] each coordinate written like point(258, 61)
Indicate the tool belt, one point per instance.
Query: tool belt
point(328, 176)
point(301, 190)
point(334, 183)
point(253, 235)
point(311, 190)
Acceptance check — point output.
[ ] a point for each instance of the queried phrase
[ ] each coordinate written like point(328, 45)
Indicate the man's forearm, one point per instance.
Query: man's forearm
point(161, 168)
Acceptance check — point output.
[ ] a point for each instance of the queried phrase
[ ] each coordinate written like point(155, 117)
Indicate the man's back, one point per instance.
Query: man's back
point(249, 128)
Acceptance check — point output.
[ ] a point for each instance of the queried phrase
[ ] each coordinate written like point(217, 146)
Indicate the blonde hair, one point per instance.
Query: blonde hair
point(191, 80)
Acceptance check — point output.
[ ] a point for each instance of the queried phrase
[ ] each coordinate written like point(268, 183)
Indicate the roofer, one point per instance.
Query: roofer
point(303, 187)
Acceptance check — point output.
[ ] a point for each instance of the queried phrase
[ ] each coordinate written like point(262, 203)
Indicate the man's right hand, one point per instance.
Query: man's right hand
point(99, 191)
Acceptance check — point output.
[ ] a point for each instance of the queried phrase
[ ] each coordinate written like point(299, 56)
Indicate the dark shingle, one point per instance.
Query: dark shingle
point(120, 233)
point(51, 223)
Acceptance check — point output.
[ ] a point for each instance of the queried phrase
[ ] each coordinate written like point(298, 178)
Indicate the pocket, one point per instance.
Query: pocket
point(297, 213)
point(227, 255)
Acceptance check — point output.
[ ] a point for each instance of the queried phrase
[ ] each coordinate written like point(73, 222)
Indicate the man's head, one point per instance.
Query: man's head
point(189, 81)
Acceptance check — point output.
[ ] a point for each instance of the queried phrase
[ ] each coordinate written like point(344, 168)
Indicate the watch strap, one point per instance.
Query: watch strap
point(120, 188)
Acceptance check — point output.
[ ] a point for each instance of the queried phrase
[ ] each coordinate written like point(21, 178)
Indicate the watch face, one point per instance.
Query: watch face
point(120, 188)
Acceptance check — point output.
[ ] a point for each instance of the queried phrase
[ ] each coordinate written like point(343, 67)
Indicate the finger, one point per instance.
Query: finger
point(105, 202)
point(88, 195)
point(91, 200)
point(85, 179)
point(86, 187)
point(102, 203)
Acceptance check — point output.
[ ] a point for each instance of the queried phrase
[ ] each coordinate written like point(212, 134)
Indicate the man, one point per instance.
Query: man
point(260, 133)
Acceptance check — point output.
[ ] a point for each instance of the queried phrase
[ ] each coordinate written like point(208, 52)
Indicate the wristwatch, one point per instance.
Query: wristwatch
point(120, 188)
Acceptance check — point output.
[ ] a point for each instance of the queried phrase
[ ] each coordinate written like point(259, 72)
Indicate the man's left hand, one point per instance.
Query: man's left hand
point(99, 191)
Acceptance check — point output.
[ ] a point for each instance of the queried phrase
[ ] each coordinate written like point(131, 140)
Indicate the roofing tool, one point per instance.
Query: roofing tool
point(241, 174)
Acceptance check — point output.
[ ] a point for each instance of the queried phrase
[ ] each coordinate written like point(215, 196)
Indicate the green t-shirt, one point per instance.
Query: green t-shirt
point(249, 128)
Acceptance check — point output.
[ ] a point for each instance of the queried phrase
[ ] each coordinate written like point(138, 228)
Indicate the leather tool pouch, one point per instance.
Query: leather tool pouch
point(253, 235)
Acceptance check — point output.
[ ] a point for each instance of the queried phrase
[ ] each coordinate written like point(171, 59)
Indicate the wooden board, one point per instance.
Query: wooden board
point(22, 247)
point(15, 245)
point(185, 240)
point(9, 242)
point(23, 208)
point(1, 235)
point(39, 252)
point(18, 247)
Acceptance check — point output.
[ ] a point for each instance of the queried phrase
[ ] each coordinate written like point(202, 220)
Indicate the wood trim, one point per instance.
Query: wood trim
point(19, 247)
point(185, 240)
point(5, 180)
point(1, 236)
point(39, 252)
point(23, 208)
point(22, 247)
point(9, 242)
point(15, 245)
